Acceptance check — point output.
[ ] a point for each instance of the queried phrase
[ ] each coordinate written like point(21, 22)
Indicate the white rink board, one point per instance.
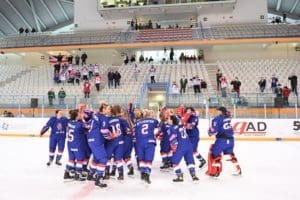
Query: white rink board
point(243, 128)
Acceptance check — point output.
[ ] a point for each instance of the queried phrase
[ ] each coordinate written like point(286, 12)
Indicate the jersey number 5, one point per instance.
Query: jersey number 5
point(70, 135)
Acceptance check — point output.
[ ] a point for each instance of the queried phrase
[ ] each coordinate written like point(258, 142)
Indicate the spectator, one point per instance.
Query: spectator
point(141, 58)
point(77, 77)
point(110, 77)
point(136, 72)
point(286, 93)
point(85, 73)
point(56, 78)
point(83, 58)
point(171, 55)
point(132, 59)
point(151, 59)
point(57, 67)
point(61, 96)
point(284, 17)
point(86, 89)
point(181, 57)
point(77, 60)
point(196, 84)
point(70, 59)
point(294, 83)
point(175, 88)
point(51, 96)
point(278, 91)
point(274, 83)
point(262, 84)
point(126, 59)
point(72, 77)
point(223, 85)
point(132, 24)
point(96, 70)
point(117, 78)
point(91, 71)
point(62, 77)
point(183, 84)
point(70, 68)
point(97, 81)
point(218, 76)
point(236, 86)
point(152, 72)
point(59, 58)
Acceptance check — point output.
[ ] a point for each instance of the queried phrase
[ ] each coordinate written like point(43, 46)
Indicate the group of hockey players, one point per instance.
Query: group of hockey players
point(101, 142)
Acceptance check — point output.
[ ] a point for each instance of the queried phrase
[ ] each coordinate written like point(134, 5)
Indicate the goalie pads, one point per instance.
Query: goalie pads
point(214, 164)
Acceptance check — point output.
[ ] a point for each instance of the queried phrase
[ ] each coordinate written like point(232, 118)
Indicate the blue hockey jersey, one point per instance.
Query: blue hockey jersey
point(192, 126)
point(76, 137)
point(179, 137)
point(221, 127)
point(95, 135)
point(58, 127)
point(144, 130)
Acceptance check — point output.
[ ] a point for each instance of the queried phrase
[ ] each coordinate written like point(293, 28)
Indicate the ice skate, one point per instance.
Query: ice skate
point(179, 178)
point(99, 182)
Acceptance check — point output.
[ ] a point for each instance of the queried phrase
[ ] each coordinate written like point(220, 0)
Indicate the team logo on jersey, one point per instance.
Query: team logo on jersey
point(59, 126)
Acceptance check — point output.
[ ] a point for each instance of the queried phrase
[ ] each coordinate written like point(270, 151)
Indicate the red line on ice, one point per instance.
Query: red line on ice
point(84, 192)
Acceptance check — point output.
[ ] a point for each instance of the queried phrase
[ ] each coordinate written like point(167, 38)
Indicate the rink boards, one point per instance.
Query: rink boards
point(245, 129)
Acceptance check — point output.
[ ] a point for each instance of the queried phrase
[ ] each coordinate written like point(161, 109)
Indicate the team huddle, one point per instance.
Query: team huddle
point(101, 143)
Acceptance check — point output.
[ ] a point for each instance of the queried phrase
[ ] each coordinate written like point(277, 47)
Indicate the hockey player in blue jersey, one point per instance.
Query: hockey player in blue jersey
point(127, 129)
point(76, 148)
point(221, 128)
point(58, 125)
point(164, 137)
point(193, 133)
point(115, 146)
point(145, 142)
point(182, 148)
point(96, 139)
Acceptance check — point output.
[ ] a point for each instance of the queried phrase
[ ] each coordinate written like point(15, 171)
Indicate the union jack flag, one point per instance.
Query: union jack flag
point(53, 59)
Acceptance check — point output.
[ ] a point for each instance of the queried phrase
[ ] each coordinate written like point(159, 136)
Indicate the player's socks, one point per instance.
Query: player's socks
point(131, 171)
point(113, 171)
point(106, 176)
point(179, 178)
point(99, 182)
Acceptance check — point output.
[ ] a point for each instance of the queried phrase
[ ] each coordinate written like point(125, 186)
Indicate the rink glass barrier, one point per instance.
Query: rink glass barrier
point(247, 106)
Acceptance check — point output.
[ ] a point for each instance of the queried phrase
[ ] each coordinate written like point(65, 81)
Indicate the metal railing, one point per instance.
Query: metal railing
point(109, 37)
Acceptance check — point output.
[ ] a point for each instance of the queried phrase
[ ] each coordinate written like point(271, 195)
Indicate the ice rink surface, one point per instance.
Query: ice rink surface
point(271, 170)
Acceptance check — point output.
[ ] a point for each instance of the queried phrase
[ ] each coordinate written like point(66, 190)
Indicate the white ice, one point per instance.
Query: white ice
point(270, 171)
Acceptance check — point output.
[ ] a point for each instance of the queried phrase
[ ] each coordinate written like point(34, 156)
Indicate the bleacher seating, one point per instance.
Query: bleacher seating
point(148, 35)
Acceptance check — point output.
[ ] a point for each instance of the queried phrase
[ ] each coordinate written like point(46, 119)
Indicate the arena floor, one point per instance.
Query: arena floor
point(270, 171)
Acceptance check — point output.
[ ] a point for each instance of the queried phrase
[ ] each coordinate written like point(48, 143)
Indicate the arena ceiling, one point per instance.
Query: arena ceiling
point(49, 15)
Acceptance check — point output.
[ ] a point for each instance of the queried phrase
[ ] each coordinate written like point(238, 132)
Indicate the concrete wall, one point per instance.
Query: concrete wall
point(244, 11)
point(87, 17)
point(222, 52)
